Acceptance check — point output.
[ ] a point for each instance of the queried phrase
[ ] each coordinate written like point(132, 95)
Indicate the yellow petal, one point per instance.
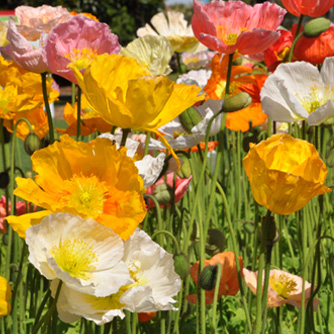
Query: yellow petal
point(21, 223)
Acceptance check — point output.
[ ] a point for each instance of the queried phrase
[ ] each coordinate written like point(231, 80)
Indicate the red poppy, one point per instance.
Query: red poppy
point(312, 8)
point(315, 50)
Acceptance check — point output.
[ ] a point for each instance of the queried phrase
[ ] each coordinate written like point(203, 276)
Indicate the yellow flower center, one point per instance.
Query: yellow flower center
point(227, 36)
point(316, 98)
point(75, 257)
point(81, 58)
point(282, 284)
point(85, 194)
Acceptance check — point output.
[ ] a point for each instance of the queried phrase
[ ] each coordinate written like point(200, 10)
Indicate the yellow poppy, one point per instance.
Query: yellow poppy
point(5, 296)
point(87, 179)
point(125, 94)
point(285, 173)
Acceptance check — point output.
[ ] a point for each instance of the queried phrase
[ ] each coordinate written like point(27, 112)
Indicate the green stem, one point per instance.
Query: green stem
point(124, 136)
point(179, 67)
point(79, 115)
point(47, 317)
point(147, 142)
point(229, 72)
point(215, 299)
point(47, 107)
point(170, 235)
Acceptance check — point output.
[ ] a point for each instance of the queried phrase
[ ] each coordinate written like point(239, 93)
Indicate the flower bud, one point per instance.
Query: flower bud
point(237, 102)
point(32, 143)
point(163, 193)
point(316, 27)
point(208, 277)
point(185, 170)
point(181, 265)
point(189, 118)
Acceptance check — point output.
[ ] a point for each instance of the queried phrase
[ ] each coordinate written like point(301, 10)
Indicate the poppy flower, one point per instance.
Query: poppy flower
point(82, 253)
point(279, 51)
point(95, 180)
point(312, 8)
point(154, 284)
point(284, 173)
point(5, 296)
point(297, 91)
point(175, 28)
point(284, 288)
point(27, 38)
point(315, 50)
point(77, 42)
point(233, 26)
point(153, 52)
point(229, 285)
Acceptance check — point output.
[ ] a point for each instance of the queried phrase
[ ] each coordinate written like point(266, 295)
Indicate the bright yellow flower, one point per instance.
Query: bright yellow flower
point(126, 95)
point(5, 296)
point(87, 179)
point(20, 90)
point(285, 173)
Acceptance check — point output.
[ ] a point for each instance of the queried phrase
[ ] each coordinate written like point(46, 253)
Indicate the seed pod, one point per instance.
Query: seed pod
point(208, 277)
point(316, 27)
point(181, 265)
point(189, 118)
point(163, 193)
point(32, 143)
point(237, 102)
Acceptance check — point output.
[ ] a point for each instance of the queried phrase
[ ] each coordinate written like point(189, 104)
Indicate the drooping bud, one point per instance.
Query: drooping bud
point(237, 102)
point(208, 277)
point(181, 265)
point(32, 143)
point(185, 170)
point(316, 27)
point(189, 118)
point(163, 193)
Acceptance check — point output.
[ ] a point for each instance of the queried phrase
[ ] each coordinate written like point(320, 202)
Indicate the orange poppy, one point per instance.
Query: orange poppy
point(229, 284)
point(242, 80)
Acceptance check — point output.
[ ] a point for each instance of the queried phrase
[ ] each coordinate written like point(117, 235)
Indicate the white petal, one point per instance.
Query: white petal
point(327, 71)
point(322, 113)
point(150, 168)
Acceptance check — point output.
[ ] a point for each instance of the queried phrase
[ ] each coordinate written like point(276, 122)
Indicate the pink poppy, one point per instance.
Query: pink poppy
point(27, 38)
point(312, 8)
point(21, 208)
point(284, 288)
point(181, 187)
point(78, 41)
point(23, 52)
point(233, 26)
point(33, 21)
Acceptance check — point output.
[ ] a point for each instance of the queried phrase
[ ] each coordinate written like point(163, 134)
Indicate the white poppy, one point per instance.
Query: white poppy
point(155, 283)
point(298, 91)
point(82, 253)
